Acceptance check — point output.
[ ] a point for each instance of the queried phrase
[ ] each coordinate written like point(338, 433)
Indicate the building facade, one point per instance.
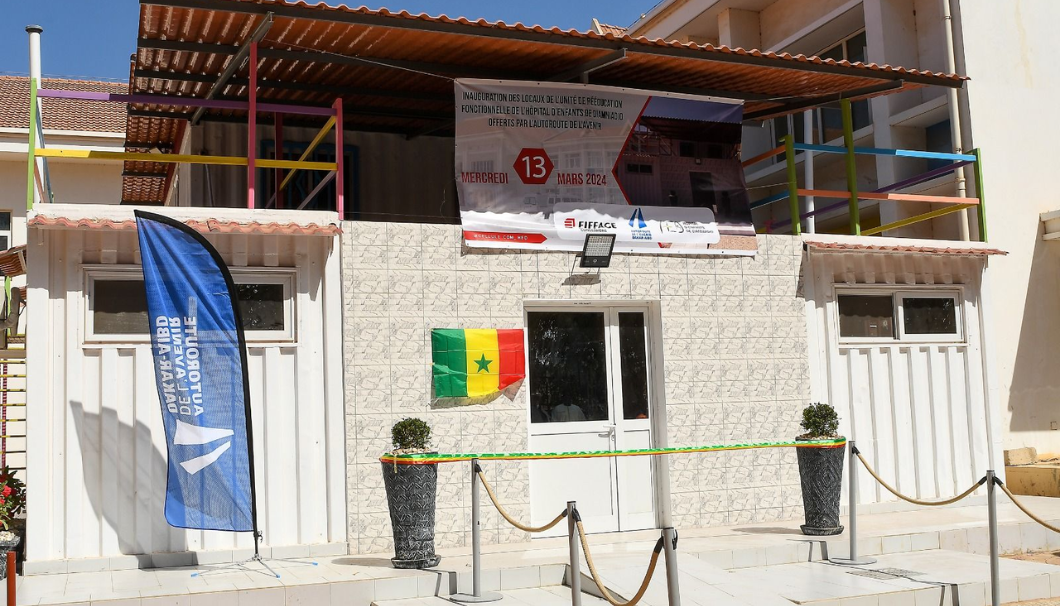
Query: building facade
point(1008, 75)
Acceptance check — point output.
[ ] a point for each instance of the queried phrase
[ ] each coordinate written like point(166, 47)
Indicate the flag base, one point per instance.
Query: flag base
point(244, 565)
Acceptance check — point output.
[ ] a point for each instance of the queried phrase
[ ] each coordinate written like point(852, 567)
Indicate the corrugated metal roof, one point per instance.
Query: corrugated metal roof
point(394, 70)
point(62, 114)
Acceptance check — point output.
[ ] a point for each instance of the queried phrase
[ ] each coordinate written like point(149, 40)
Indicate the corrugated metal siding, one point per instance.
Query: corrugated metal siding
point(97, 462)
point(920, 412)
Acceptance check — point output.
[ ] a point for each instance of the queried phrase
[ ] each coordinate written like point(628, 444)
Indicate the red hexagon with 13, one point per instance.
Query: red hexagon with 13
point(533, 166)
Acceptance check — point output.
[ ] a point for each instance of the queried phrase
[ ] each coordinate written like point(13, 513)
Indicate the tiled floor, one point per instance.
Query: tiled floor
point(766, 559)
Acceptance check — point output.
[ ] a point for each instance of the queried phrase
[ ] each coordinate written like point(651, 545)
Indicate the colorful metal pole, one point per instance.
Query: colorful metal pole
point(252, 125)
point(32, 149)
point(980, 193)
point(278, 174)
point(852, 166)
point(340, 173)
point(793, 184)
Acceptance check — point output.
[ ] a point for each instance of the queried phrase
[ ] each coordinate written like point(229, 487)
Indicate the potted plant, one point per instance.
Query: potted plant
point(410, 494)
point(821, 471)
point(12, 503)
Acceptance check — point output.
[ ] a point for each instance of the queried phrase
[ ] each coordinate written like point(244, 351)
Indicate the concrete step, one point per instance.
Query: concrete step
point(555, 595)
point(701, 583)
point(937, 577)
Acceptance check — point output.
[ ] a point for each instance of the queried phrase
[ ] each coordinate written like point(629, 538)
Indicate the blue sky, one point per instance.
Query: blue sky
point(94, 38)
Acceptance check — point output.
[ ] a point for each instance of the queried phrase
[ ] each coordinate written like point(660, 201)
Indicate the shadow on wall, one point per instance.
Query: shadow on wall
point(124, 500)
point(1034, 391)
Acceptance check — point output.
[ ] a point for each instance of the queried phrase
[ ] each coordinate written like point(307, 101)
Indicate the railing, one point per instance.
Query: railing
point(852, 197)
point(576, 536)
point(40, 184)
point(989, 479)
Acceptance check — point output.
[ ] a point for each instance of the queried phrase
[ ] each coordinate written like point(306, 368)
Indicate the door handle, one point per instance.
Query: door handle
point(610, 433)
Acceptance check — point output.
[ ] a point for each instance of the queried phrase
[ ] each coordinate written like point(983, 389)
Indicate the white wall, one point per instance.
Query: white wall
point(921, 412)
point(1015, 83)
point(97, 459)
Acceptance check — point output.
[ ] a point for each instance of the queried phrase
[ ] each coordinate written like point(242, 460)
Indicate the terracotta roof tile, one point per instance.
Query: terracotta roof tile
point(604, 29)
point(62, 114)
point(898, 248)
point(208, 226)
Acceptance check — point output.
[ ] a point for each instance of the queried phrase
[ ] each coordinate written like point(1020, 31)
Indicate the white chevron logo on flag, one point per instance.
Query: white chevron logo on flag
point(197, 435)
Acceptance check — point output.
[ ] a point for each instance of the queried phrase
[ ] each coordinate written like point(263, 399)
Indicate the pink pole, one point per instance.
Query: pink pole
point(279, 156)
point(252, 125)
point(340, 178)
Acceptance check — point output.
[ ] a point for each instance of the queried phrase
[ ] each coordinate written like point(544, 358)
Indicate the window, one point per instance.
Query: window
point(5, 230)
point(866, 316)
point(912, 315)
point(116, 306)
point(828, 121)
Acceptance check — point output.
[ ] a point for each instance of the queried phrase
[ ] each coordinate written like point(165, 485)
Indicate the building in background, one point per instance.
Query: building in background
point(1005, 50)
point(70, 123)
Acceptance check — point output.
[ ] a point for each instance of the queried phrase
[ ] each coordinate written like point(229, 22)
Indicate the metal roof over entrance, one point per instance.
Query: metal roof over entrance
point(394, 71)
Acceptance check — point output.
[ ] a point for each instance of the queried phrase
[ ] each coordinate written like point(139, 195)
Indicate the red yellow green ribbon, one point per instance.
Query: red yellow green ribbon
point(429, 458)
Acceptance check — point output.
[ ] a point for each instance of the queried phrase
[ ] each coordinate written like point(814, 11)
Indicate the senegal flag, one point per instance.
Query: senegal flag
point(471, 362)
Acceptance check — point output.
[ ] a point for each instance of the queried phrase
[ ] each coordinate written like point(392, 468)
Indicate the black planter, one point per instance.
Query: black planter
point(6, 546)
point(821, 472)
point(410, 492)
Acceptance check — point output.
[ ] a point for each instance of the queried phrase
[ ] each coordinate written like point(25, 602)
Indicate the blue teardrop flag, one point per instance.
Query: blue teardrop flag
point(199, 353)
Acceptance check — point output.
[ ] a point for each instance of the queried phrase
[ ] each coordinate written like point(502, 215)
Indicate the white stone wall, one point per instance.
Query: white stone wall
point(735, 357)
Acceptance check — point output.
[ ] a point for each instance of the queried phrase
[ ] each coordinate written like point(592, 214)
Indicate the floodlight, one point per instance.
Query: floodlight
point(597, 250)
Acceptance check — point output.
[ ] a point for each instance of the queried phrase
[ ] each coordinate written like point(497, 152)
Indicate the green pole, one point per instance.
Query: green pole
point(793, 184)
point(30, 183)
point(979, 193)
point(852, 166)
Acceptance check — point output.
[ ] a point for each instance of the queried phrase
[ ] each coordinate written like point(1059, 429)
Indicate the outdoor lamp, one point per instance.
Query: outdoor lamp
point(597, 250)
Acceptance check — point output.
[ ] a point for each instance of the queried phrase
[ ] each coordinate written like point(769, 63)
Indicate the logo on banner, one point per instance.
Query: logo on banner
point(197, 435)
point(638, 226)
point(568, 223)
point(638, 217)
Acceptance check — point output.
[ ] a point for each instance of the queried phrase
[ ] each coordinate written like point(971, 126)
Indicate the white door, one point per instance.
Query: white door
point(590, 391)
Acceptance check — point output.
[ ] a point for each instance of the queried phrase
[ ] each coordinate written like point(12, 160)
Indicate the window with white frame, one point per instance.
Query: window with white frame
point(5, 230)
point(914, 315)
point(116, 305)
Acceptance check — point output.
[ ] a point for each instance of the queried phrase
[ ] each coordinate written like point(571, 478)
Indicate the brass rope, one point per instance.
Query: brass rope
point(596, 576)
point(1024, 509)
point(911, 499)
point(504, 514)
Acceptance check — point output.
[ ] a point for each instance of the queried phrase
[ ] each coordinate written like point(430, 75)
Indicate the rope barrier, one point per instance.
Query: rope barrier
point(506, 516)
point(430, 458)
point(1023, 507)
point(596, 576)
point(892, 490)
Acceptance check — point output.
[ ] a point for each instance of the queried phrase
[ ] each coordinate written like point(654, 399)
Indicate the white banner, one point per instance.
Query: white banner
point(540, 165)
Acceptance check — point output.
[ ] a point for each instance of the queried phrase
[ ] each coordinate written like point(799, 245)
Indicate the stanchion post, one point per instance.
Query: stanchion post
point(11, 574)
point(673, 588)
point(575, 556)
point(852, 512)
point(991, 499)
point(477, 595)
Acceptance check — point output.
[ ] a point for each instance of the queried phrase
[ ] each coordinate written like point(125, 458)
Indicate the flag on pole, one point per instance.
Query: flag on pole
point(476, 361)
point(200, 364)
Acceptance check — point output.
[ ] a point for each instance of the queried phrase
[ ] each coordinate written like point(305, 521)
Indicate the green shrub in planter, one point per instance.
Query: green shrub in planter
point(410, 494)
point(411, 435)
point(820, 471)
